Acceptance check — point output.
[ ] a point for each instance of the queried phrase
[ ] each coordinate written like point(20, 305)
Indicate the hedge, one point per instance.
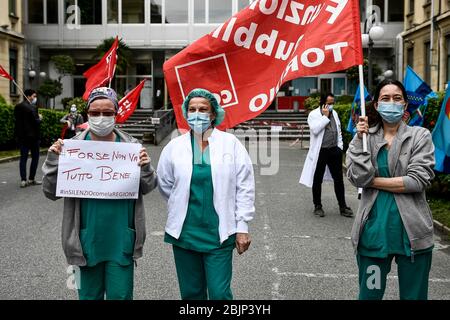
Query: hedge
point(50, 126)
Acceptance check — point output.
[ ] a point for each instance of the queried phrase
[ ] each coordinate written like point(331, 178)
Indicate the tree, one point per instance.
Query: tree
point(50, 89)
point(64, 64)
point(124, 54)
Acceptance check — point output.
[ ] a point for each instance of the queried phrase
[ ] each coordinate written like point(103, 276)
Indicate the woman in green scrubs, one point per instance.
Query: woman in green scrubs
point(203, 262)
point(394, 220)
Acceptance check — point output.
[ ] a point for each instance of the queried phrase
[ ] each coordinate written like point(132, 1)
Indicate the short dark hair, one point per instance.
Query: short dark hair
point(324, 97)
point(386, 82)
point(29, 92)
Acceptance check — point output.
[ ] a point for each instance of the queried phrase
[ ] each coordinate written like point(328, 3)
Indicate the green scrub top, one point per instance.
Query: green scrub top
point(107, 229)
point(201, 226)
point(384, 232)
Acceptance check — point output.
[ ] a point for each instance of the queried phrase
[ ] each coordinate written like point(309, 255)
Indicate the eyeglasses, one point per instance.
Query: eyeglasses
point(98, 113)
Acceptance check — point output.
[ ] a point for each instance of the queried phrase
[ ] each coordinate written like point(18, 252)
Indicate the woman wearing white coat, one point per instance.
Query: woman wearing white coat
point(325, 153)
point(206, 176)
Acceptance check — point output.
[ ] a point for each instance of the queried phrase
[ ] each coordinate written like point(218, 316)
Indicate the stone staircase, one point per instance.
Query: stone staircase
point(288, 125)
point(149, 126)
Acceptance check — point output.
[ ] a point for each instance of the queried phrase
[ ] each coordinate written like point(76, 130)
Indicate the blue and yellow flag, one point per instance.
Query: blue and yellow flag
point(355, 112)
point(419, 92)
point(441, 137)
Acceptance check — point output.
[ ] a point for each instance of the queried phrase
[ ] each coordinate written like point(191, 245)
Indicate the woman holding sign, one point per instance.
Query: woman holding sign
point(394, 220)
point(102, 236)
point(206, 176)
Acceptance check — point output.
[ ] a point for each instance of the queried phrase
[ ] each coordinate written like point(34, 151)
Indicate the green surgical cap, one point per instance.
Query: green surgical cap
point(203, 93)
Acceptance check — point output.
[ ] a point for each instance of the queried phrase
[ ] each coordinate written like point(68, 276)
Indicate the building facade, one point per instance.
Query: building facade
point(11, 48)
point(425, 42)
point(154, 30)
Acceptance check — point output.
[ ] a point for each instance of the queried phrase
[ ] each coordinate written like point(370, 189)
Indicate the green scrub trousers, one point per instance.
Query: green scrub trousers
point(107, 238)
point(204, 266)
point(383, 238)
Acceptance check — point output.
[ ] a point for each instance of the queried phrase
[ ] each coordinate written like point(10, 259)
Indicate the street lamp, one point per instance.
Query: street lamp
point(371, 33)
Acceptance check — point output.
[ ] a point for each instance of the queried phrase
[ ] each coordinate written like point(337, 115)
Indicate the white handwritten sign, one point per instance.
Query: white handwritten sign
point(99, 170)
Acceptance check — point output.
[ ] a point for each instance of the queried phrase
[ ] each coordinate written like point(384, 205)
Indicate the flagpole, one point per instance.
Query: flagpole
point(363, 103)
point(21, 91)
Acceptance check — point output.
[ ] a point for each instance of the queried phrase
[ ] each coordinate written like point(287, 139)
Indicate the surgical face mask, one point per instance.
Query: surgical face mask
point(73, 110)
point(34, 101)
point(101, 126)
point(391, 112)
point(330, 107)
point(199, 121)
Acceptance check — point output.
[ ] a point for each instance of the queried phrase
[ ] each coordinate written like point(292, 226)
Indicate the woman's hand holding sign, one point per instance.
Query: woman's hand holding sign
point(143, 157)
point(56, 147)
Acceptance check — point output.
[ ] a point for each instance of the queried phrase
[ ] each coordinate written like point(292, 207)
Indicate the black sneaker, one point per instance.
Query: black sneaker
point(319, 211)
point(346, 212)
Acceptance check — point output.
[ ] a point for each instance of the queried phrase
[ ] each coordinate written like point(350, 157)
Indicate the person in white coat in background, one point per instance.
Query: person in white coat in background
point(325, 153)
point(206, 176)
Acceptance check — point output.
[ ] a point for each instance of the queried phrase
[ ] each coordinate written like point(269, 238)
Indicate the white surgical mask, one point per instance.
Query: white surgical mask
point(34, 101)
point(101, 126)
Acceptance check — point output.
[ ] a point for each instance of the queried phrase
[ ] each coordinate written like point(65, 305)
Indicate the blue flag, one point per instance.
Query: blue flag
point(441, 137)
point(355, 112)
point(419, 92)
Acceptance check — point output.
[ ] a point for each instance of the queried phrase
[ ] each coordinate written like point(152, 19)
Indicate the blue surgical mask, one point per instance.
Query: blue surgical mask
point(330, 107)
point(199, 121)
point(391, 112)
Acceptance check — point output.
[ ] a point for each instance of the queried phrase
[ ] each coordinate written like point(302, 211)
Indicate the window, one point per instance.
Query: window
point(427, 56)
point(380, 4)
point(52, 11)
point(395, 11)
point(13, 67)
point(242, 4)
point(133, 11)
point(12, 7)
point(91, 11)
point(219, 11)
point(448, 58)
point(113, 11)
point(156, 11)
point(199, 11)
point(411, 6)
point(410, 57)
point(36, 11)
point(339, 86)
point(177, 11)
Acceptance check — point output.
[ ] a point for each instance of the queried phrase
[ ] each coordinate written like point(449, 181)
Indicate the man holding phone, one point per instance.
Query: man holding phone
point(325, 152)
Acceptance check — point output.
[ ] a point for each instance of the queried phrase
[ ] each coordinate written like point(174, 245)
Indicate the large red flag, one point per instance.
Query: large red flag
point(245, 61)
point(5, 74)
point(128, 104)
point(103, 72)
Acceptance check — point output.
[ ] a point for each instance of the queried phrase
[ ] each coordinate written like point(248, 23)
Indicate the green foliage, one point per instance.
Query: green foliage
point(50, 89)
point(50, 126)
point(80, 103)
point(64, 64)
point(6, 123)
point(124, 54)
point(2, 100)
point(344, 99)
point(65, 102)
point(312, 102)
point(433, 110)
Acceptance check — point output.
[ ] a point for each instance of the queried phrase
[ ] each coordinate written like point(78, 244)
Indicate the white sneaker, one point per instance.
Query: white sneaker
point(23, 184)
point(34, 182)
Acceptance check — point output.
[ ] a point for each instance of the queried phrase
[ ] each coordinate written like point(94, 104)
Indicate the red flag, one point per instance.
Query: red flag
point(5, 74)
point(103, 72)
point(128, 104)
point(245, 61)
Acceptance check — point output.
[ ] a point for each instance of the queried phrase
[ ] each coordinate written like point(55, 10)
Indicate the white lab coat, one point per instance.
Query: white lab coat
point(317, 123)
point(232, 178)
